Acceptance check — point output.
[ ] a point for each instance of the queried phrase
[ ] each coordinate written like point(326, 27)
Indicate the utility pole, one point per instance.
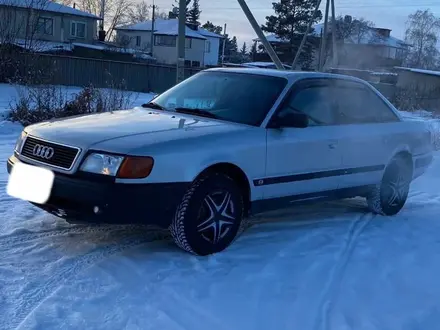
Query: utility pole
point(324, 38)
point(153, 18)
point(304, 39)
point(224, 45)
point(181, 42)
point(260, 34)
point(335, 48)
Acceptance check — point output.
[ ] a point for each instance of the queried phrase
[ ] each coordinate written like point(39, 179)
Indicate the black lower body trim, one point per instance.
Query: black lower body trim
point(261, 206)
point(80, 200)
point(317, 175)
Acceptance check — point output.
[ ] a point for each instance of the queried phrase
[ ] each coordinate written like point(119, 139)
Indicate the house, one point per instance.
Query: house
point(45, 21)
point(201, 46)
point(425, 81)
point(372, 48)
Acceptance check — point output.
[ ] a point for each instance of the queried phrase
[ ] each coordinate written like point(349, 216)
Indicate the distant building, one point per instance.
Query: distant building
point(374, 49)
point(49, 22)
point(201, 46)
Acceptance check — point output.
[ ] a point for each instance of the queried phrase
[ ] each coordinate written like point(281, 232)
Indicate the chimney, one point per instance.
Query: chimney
point(74, 5)
point(383, 32)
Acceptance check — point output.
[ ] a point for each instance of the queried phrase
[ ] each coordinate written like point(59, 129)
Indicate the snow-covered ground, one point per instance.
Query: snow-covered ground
point(326, 266)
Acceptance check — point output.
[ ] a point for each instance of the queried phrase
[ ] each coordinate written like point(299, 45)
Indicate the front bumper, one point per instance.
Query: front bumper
point(77, 198)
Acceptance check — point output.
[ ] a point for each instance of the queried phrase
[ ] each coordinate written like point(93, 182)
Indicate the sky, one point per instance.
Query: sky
point(391, 14)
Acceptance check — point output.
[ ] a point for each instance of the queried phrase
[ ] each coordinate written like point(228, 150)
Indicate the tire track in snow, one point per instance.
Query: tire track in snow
point(23, 236)
point(335, 278)
point(31, 300)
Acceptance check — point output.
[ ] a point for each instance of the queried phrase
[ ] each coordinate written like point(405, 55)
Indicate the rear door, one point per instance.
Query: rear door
point(304, 160)
point(368, 133)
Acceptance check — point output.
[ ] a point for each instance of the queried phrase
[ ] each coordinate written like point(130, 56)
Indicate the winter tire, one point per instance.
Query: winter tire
point(210, 215)
point(389, 197)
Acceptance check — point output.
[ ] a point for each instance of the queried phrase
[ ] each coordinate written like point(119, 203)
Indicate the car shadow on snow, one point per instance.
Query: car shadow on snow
point(76, 238)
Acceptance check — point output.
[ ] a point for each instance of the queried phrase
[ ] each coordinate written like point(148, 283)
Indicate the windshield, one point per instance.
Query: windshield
point(236, 97)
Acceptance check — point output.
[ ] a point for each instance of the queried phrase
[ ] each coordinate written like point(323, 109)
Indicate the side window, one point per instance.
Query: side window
point(356, 104)
point(314, 101)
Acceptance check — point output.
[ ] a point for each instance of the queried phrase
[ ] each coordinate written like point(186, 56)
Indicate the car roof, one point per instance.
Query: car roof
point(288, 74)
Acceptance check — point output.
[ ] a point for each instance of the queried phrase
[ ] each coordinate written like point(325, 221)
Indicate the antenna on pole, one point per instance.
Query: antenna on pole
point(335, 48)
point(324, 38)
point(181, 42)
point(224, 45)
point(153, 18)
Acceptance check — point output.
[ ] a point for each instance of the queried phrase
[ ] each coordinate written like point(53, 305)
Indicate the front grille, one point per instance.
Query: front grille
point(62, 156)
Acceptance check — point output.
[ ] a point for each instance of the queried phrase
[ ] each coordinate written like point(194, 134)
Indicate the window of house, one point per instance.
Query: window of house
point(196, 64)
point(207, 46)
point(45, 25)
point(138, 41)
point(187, 63)
point(168, 41)
point(188, 43)
point(78, 29)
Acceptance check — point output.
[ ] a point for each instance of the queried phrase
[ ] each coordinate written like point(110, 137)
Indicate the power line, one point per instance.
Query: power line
point(341, 7)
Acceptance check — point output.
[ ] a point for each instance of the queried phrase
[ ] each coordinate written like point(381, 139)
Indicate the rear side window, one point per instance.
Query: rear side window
point(357, 104)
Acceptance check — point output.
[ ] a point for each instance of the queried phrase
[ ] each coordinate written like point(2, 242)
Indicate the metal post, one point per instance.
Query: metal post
point(335, 49)
point(260, 34)
point(153, 18)
point(224, 45)
point(181, 42)
point(324, 37)
point(303, 41)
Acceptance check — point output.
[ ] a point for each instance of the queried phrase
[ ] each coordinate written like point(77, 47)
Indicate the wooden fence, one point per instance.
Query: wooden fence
point(77, 71)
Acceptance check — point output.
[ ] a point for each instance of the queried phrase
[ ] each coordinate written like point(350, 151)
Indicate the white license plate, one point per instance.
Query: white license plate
point(30, 183)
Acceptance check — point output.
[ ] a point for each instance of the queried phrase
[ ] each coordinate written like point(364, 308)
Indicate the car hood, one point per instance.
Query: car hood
point(127, 129)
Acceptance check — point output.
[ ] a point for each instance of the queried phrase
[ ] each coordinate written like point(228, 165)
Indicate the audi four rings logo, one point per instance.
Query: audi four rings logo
point(43, 151)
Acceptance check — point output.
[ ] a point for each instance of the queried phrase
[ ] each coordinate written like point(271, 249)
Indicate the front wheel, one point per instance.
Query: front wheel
point(210, 215)
point(389, 197)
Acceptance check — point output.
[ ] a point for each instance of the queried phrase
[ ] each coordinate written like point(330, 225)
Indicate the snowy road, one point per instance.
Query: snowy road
point(327, 266)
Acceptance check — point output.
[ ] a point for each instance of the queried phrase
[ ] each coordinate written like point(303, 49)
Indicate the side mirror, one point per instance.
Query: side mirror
point(291, 119)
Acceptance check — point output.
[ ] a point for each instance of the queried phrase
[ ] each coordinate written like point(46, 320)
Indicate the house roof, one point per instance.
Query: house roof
point(421, 71)
point(371, 37)
point(47, 5)
point(169, 27)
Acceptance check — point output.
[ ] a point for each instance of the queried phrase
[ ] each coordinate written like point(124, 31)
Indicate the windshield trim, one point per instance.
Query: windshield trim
point(260, 121)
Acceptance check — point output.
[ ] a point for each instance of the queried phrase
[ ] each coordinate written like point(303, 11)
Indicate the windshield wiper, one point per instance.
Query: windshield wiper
point(153, 105)
point(200, 112)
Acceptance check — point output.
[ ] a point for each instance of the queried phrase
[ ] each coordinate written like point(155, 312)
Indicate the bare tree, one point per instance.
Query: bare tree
point(21, 25)
point(116, 12)
point(140, 12)
point(354, 30)
point(422, 32)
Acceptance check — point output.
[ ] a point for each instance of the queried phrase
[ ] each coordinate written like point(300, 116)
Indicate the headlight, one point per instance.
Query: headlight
point(128, 167)
point(102, 164)
point(20, 141)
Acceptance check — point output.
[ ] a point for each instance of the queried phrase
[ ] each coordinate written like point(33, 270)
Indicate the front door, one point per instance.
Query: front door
point(304, 161)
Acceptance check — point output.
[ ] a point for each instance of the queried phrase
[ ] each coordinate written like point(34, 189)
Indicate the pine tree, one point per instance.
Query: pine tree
point(290, 23)
point(243, 50)
point(194, 12)
point(253, 51)
point(187, 10)
point(212, 28)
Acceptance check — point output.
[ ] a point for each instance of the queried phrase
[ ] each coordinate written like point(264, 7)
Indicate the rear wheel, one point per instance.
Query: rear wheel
point(210, 215)
point(389, 197)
